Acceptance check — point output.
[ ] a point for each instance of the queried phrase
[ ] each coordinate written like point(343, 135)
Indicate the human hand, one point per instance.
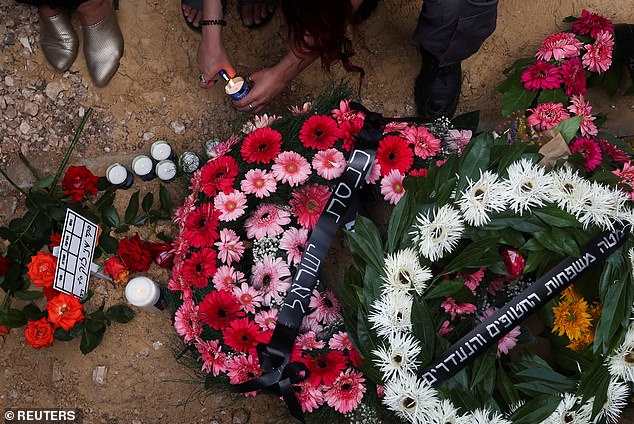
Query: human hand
point(265, 85)
point(211, 59)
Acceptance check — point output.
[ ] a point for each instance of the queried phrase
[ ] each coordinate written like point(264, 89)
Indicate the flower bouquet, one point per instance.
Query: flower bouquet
point(27, 269)
point(462, 258)
point(244, 229)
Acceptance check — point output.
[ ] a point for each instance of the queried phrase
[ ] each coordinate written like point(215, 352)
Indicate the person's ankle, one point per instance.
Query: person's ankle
point(49, 12)
point(93, 11)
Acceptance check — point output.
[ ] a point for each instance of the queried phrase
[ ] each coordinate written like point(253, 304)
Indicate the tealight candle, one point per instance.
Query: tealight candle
point(142, 166)
point(236, 88)
point(161, 150)
point(166, 170)
point(145, 294)
point(118, 175)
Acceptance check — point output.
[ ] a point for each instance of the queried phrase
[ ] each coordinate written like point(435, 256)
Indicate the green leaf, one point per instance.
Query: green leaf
point(33, 313)
point(63, 335)
point(556, 217)
point(475, 159)
point(537, 261)
point(164, 237)
point(209, 381)
point(423, 328)
point(569, 127)
point(371, 286)
point(484, 372)
point(7, 234)
point(140, 220)
point(13, 279)
point(517, 98)
point(92, 335)
point(444, 288)
point(166, 199)
point(553, 96)
point(365, 242)
point(106, 199)
point(505, 387)
point(614, 307)
point(28, 295)
point(120, 313)
point(569, 19)
point(108, 243)
point(402, 216)
point(467, 121)
point(110, 216)
point(366, 341)
point(479, 254)
point(148, 201)
point(132, 209)
point(12, 318)
point(535, 410)
point(44, 182)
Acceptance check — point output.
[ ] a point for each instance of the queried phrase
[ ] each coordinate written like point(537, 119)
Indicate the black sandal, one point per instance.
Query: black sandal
point(198, 5)
point(264, 20)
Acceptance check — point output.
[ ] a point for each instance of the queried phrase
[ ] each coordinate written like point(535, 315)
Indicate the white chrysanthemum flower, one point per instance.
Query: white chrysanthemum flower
point(391, 313)
point(568, 411)
point(486, 416)
point(528, 186)
point(621, 363)
point(602, 207)
point(630, 254)
point(399, 357)
point(627, 217)
point(515, 406)
point(403, 271)
point(481, 198)
point(569, 190)
point(439, 235)
point(618, 393)
point(411, 398)
point(446, 413)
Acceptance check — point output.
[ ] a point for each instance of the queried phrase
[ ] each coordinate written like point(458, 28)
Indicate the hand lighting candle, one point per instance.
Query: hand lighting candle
point(119, 176)
point(166, 170)
point(161, 150)
point(236, 88)
point(142, 166)
point(145, 294)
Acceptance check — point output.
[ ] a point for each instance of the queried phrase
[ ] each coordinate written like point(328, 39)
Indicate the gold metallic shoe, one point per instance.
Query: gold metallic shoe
point(103, 47)
point(59, 41)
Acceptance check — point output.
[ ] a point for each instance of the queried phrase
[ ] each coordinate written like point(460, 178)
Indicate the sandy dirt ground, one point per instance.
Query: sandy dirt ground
point(155, 96)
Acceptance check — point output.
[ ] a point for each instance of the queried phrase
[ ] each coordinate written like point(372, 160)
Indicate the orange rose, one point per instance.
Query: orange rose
point(65, 311)
point(42, 269)
point(115, 268)
point(39, 333)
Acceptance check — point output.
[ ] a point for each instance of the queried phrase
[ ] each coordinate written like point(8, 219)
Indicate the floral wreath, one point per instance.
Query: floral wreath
point(245, 225)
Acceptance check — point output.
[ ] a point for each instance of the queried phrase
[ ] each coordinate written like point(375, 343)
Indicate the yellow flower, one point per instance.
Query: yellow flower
point(570, 294)
point(572, 319)
point(586, 339)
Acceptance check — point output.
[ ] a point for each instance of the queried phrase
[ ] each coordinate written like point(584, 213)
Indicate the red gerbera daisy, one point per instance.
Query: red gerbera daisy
point(591, 23)
point(242, 335)
point(541, 76)
point(307, 204)
point(325, 368)
point(218, 175)
point(613, 152)
point(201, 227)
point(261, 146)
point(198, 268)
point(350, 131)
point(319, 132)
point(394, 153)
point(590, 151)
point(574, 77)
point(219, 308)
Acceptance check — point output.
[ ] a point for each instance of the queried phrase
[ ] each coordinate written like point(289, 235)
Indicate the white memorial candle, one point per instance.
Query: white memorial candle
point(160, 150)
point(118, 175)
point(143, 293)
point(166, 170)
point(142, 166)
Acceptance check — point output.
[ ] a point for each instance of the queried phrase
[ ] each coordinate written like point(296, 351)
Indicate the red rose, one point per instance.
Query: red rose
point(4, 265)
point(42, 269)
point(115, 268)
point(77, 181)
point(55, 240)
point(136, 253)
point(50, 292)
point(65, 311)
point(163, 254)
point(4, 329)
point(39, 333)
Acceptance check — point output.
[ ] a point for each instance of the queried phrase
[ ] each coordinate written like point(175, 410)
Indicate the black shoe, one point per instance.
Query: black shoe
point(437, 88)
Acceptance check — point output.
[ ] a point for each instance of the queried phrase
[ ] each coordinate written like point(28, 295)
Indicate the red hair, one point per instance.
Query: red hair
point(319, 27)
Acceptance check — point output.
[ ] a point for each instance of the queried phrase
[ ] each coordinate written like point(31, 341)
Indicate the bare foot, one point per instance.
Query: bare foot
point(92, 11)
point(193, 15)
point(48, 12)
point(255, 13)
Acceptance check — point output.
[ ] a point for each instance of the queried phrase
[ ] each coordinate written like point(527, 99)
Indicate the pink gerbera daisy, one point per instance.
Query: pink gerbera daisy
point(547, 115)
point(271, 277)
point(591, 23)
point(580, 107)
point(445, 328)
point(267, 319)
point(508, 341)
point(227, 277)
point(214, 359)
point(243, 368)
point(258, 182)
point(308, 202)
point(598, 56)
point(248, 297)
point(230, 247)
point(186, 321)
point(294, 243)
point(425, 143)
point(319, 132)
point(291, 168)
point(458, 140)
point(472, 281)
point(346, 391)
point(308, 341)
point(329, 164)
point(590, 151)
point(267, 220)
point(541, 76)
point(201, 227)
point(340, 341)
point(181, 213)
point(454, 308)
point(308, 396)
point(392, 187)
point(559, 46)
point(574, 77)
point(326, 307)
point(231, 206)
point(199, 267)
point(395, 127)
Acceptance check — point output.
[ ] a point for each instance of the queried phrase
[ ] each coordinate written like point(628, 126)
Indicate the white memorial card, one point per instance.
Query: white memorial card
point(75, 254)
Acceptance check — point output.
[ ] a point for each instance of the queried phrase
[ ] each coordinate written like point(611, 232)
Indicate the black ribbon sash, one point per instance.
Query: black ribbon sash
point(278, 373)
point(459, 355)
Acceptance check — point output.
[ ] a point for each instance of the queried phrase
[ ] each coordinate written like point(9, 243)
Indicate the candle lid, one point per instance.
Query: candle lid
point(234, 85)
point(160, 150)
point(142, 165)
point(141, 291)
point(116, 174)
point(166, 169)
